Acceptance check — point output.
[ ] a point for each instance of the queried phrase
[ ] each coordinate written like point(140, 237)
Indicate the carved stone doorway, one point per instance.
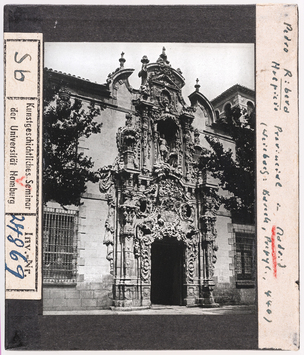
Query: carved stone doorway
point(167, 272)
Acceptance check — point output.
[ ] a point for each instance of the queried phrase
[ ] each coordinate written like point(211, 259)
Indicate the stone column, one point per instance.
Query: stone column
point(145, 128)
point(209, 247)
point(191, 262)
point(126, 283)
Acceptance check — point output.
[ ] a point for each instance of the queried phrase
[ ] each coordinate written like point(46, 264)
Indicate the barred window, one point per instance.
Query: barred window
point(244, 258)
point(59, 245)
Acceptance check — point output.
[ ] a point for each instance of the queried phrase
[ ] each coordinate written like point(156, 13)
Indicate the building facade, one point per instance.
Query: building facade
point(150, 231)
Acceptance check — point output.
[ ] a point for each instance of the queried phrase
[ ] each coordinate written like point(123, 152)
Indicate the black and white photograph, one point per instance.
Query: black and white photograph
point(149, 178)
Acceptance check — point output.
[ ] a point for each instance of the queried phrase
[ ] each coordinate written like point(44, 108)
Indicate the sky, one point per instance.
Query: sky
point(217, 66)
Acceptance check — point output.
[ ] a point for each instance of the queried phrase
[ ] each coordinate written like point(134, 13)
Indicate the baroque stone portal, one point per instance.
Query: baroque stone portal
point(156, 195)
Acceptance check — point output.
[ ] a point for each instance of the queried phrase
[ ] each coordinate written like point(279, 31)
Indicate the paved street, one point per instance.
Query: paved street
point(171, 310)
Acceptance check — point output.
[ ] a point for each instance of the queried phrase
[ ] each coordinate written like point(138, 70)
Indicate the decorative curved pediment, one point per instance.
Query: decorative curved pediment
point(118, 77)
point(197, 99)
point(164, 75)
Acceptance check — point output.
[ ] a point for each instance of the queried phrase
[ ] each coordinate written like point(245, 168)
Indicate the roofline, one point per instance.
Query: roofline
point(236, 87)
point(76, 80)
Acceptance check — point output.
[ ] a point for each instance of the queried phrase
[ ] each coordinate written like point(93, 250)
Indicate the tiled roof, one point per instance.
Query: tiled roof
point(68, 74)
point(232, 89)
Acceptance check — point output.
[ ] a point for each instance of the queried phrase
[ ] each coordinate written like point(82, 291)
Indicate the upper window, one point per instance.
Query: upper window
point(227, 109)
point(59, 245)
point(250, 107)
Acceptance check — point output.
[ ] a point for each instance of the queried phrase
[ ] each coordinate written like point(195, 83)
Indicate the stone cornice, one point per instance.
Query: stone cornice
point(233, 89)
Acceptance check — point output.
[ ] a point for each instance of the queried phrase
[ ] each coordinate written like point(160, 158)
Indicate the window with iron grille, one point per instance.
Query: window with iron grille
point(244, 258)
point(59, 245)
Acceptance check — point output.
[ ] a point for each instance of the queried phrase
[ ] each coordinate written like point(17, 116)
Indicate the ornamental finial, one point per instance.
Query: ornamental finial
point(145, 60)
point(122, 60)
point(197, 86)
point(163, 54)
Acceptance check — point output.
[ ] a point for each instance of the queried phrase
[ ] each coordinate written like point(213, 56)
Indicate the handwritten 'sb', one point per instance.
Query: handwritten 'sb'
point(20, 72)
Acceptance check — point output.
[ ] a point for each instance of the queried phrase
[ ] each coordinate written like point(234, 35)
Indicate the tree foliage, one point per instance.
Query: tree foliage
point(66, 171)
point(236, 174)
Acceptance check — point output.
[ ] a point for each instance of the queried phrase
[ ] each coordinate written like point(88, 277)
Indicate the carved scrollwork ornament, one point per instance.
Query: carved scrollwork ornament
point(186, 212)
point(196, 137)
point(145, 263)
point(128, 213)
point(128, 120)
point(136, 248)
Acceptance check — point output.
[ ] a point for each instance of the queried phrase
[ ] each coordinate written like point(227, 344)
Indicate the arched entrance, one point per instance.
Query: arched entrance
point(167, 271)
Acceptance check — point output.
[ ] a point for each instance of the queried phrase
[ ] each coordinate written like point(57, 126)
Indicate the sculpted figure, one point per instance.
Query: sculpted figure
point(163, 147)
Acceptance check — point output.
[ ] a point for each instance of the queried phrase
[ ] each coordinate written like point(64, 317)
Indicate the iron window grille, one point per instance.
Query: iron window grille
point(59, 245)
point(245, 258)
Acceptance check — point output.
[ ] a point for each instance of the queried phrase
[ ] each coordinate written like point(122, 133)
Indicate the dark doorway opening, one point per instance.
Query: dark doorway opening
point(167, 257)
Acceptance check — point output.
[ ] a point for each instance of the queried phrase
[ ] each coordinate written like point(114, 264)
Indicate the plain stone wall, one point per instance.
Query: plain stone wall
point(83, 296)
point(102, 147)
point(248, 295)
point(224, 254)
point(92, 263)
point(93, 289)
point(226, 291)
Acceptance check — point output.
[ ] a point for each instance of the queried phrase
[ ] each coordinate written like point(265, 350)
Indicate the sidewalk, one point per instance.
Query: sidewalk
point(171, 310)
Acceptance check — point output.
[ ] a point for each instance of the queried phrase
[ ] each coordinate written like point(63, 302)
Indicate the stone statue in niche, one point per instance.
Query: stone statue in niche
point(163, 148)
point(173, 160)
point(166, 103)
point(165, 100)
